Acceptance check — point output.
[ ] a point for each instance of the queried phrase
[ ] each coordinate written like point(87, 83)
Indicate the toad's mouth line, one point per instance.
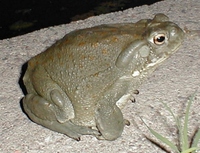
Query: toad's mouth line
point(154, 61)
point(157, 61)
point(163, 57)
point(149, 62)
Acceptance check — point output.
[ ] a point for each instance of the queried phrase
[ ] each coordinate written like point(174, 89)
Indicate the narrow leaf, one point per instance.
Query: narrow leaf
point(185, 144)
point(189, 150)
point(177, 121)
point(167, 107)
point(196, 139)
point(163, 139)
point(175, 118)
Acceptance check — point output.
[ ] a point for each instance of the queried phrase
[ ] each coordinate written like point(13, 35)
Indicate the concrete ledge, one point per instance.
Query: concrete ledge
point(173, 83)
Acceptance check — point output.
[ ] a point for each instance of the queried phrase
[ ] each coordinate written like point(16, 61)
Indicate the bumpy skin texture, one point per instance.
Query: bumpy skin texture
point(80, 84)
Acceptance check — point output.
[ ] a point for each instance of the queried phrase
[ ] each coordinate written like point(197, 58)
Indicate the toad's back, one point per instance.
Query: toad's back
point(87, 57)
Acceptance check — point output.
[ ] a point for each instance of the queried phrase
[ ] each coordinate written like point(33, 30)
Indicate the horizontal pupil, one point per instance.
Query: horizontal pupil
point(160, 39)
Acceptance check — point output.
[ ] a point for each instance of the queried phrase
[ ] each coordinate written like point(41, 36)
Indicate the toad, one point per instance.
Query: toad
point(79, 85)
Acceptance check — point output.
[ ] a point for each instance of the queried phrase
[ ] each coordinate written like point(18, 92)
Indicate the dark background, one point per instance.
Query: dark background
point(18, 17)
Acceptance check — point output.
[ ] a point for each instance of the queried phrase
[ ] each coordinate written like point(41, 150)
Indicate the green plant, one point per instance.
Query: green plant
point(185, 145)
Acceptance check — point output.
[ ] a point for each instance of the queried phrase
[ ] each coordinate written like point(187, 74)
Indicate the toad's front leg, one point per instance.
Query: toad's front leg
point(109, 118)
point(110, 121)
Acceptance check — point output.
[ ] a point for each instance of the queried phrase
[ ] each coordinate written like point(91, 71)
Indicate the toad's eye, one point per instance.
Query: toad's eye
point(159, 39)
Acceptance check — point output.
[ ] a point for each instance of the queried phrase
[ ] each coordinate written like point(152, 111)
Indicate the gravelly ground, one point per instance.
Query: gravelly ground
point(173, 83)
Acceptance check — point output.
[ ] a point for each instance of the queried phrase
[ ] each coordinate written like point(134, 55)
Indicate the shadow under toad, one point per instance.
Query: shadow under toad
point(21, 83)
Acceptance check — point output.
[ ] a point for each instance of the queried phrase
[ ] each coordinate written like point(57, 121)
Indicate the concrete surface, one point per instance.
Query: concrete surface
point(173, 83)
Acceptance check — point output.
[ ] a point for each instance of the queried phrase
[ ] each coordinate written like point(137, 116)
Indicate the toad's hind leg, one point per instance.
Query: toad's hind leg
point(38, 82)
point(47, 104)
point(42, 112)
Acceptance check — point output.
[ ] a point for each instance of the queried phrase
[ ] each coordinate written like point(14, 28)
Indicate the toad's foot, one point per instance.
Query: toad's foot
point(132, 97)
